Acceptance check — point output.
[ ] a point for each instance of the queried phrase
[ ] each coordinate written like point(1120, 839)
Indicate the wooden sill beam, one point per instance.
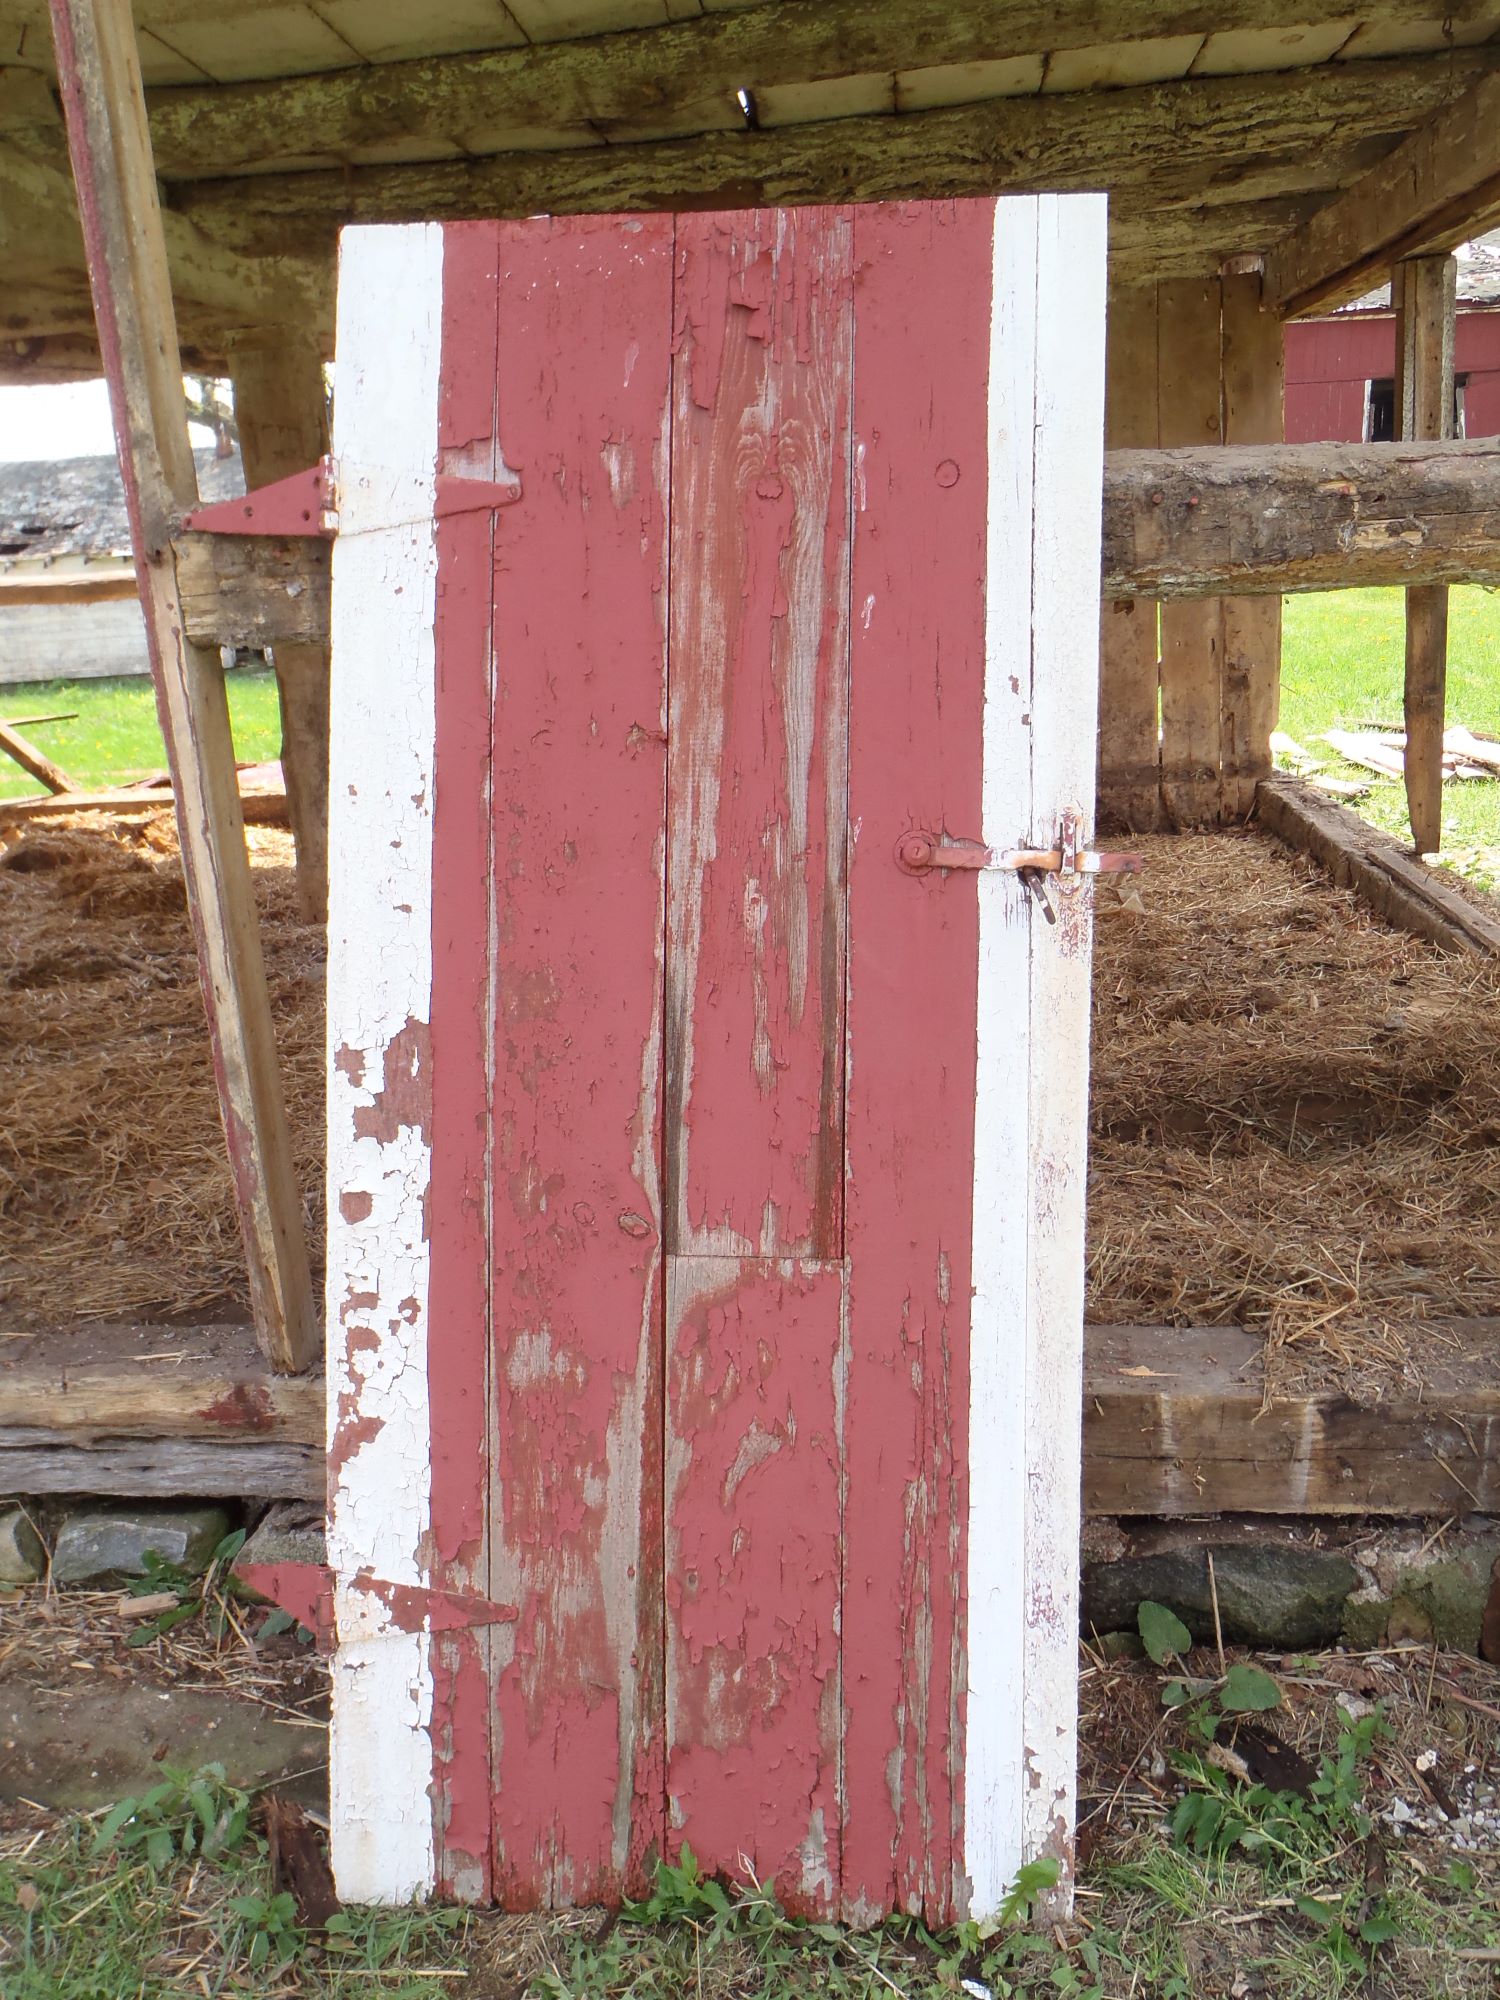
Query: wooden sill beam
point(1439, 187)
point(1203, 521)
point(1174, 1424)
point(1383, 874)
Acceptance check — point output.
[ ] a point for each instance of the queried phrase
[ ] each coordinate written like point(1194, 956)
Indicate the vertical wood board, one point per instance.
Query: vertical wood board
point(756, 783)
point(380, 1011)
point(922, 315)
point(579, 757)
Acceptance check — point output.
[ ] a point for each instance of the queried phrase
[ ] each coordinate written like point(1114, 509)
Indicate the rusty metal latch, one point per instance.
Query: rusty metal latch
point(1066, 865)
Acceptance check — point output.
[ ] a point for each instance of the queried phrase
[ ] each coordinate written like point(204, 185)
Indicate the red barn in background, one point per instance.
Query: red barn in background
point(1340, 371)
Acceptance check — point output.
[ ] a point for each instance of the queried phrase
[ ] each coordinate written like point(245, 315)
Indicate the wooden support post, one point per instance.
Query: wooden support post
point(1129, 783)
point(1252, 371)
point(99, 71)
point(282, 412)
point(1192, 634)
point(1423, 293)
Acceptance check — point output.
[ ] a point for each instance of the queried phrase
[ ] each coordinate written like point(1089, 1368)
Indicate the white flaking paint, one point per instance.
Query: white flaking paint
point(1045, 429)
point(379, 994)
point(1064, 738)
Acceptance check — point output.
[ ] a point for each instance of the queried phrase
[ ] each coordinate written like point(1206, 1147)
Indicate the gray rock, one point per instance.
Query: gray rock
point(23, 1556)
point(292, 1532)
point(1270, 1593)
point(100, 1543)
point(1424, 1591)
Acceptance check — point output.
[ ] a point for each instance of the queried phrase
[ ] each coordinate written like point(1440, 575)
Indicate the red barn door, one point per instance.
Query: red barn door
point(706, 1125)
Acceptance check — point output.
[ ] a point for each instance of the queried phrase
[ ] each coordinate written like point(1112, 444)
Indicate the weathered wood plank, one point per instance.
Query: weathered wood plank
point(1252, 368)
point(579, 750)
point(1424, 292)
point(1129, 771)
point(922, 303)
point(1192, 634)
point(1249, 519)
point(1438, 187)
point(1222, 520)
point(34, 762)
point(253, 590)
point(754, 1472)
point(122, 225)
point(1178, 142)
point(155, 1382)
point(682, 77)
point(1374, 866)
point(282, 411)
point(44, 1461)
point(756, 764)
point(260, 807)
point(1175, 1424)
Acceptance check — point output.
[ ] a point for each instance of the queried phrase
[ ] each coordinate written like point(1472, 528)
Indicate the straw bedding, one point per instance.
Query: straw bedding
point(1296, 1108)
point(1296, 1116)
point(114, 1186)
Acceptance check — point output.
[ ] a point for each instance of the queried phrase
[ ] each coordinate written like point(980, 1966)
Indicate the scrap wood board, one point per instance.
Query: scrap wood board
point(706, 1187)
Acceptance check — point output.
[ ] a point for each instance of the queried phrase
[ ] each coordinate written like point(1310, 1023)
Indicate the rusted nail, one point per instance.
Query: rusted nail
point(1157, 498)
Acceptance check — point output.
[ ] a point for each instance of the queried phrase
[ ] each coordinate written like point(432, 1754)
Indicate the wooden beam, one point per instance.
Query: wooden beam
point(282, 411)
point(1129, 780)
point(679, 78)
point(259, 807)
point(1440, 186)
point(29, 586)
point(35, 763)
point(211, 283)
point(100, 75)
point(1252, 372)
point(1394, 885)
point(253, 590)
point(1164, 142)
point(1257, 520)
point(1175, 1423)
point(1210, 521)
point(1424, 293)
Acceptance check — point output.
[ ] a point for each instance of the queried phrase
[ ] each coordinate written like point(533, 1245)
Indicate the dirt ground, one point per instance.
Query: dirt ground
point(1412, 1854)
point(1296, 1108)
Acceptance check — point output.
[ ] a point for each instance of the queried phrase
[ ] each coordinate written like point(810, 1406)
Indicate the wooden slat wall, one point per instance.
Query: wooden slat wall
point(1188, 689)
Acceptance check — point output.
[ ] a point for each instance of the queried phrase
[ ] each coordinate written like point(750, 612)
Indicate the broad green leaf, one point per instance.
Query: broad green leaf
point(1163, 1633)
point(1248, 1689)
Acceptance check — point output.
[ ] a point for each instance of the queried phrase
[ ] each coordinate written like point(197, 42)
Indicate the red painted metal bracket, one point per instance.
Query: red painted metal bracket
point(305, 1591)
point(304, 503)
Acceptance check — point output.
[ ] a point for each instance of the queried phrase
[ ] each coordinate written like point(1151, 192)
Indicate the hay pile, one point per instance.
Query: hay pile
point(1296, 1115)
point(114, 1186)
point(1296, 1112)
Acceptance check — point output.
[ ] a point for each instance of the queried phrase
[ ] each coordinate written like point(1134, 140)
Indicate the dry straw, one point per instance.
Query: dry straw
point(114, 1186)
point(1296, 1116)
point(1296, 1108)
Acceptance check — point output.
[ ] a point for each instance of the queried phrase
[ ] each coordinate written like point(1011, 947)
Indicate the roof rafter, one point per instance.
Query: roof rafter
point(1440, 186)
point(683, 77)
point(1154, 146)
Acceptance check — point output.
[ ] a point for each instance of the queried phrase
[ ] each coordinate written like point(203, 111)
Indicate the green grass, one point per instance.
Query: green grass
point(115, 738)
point(1341, 667)
point(170, 1893)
